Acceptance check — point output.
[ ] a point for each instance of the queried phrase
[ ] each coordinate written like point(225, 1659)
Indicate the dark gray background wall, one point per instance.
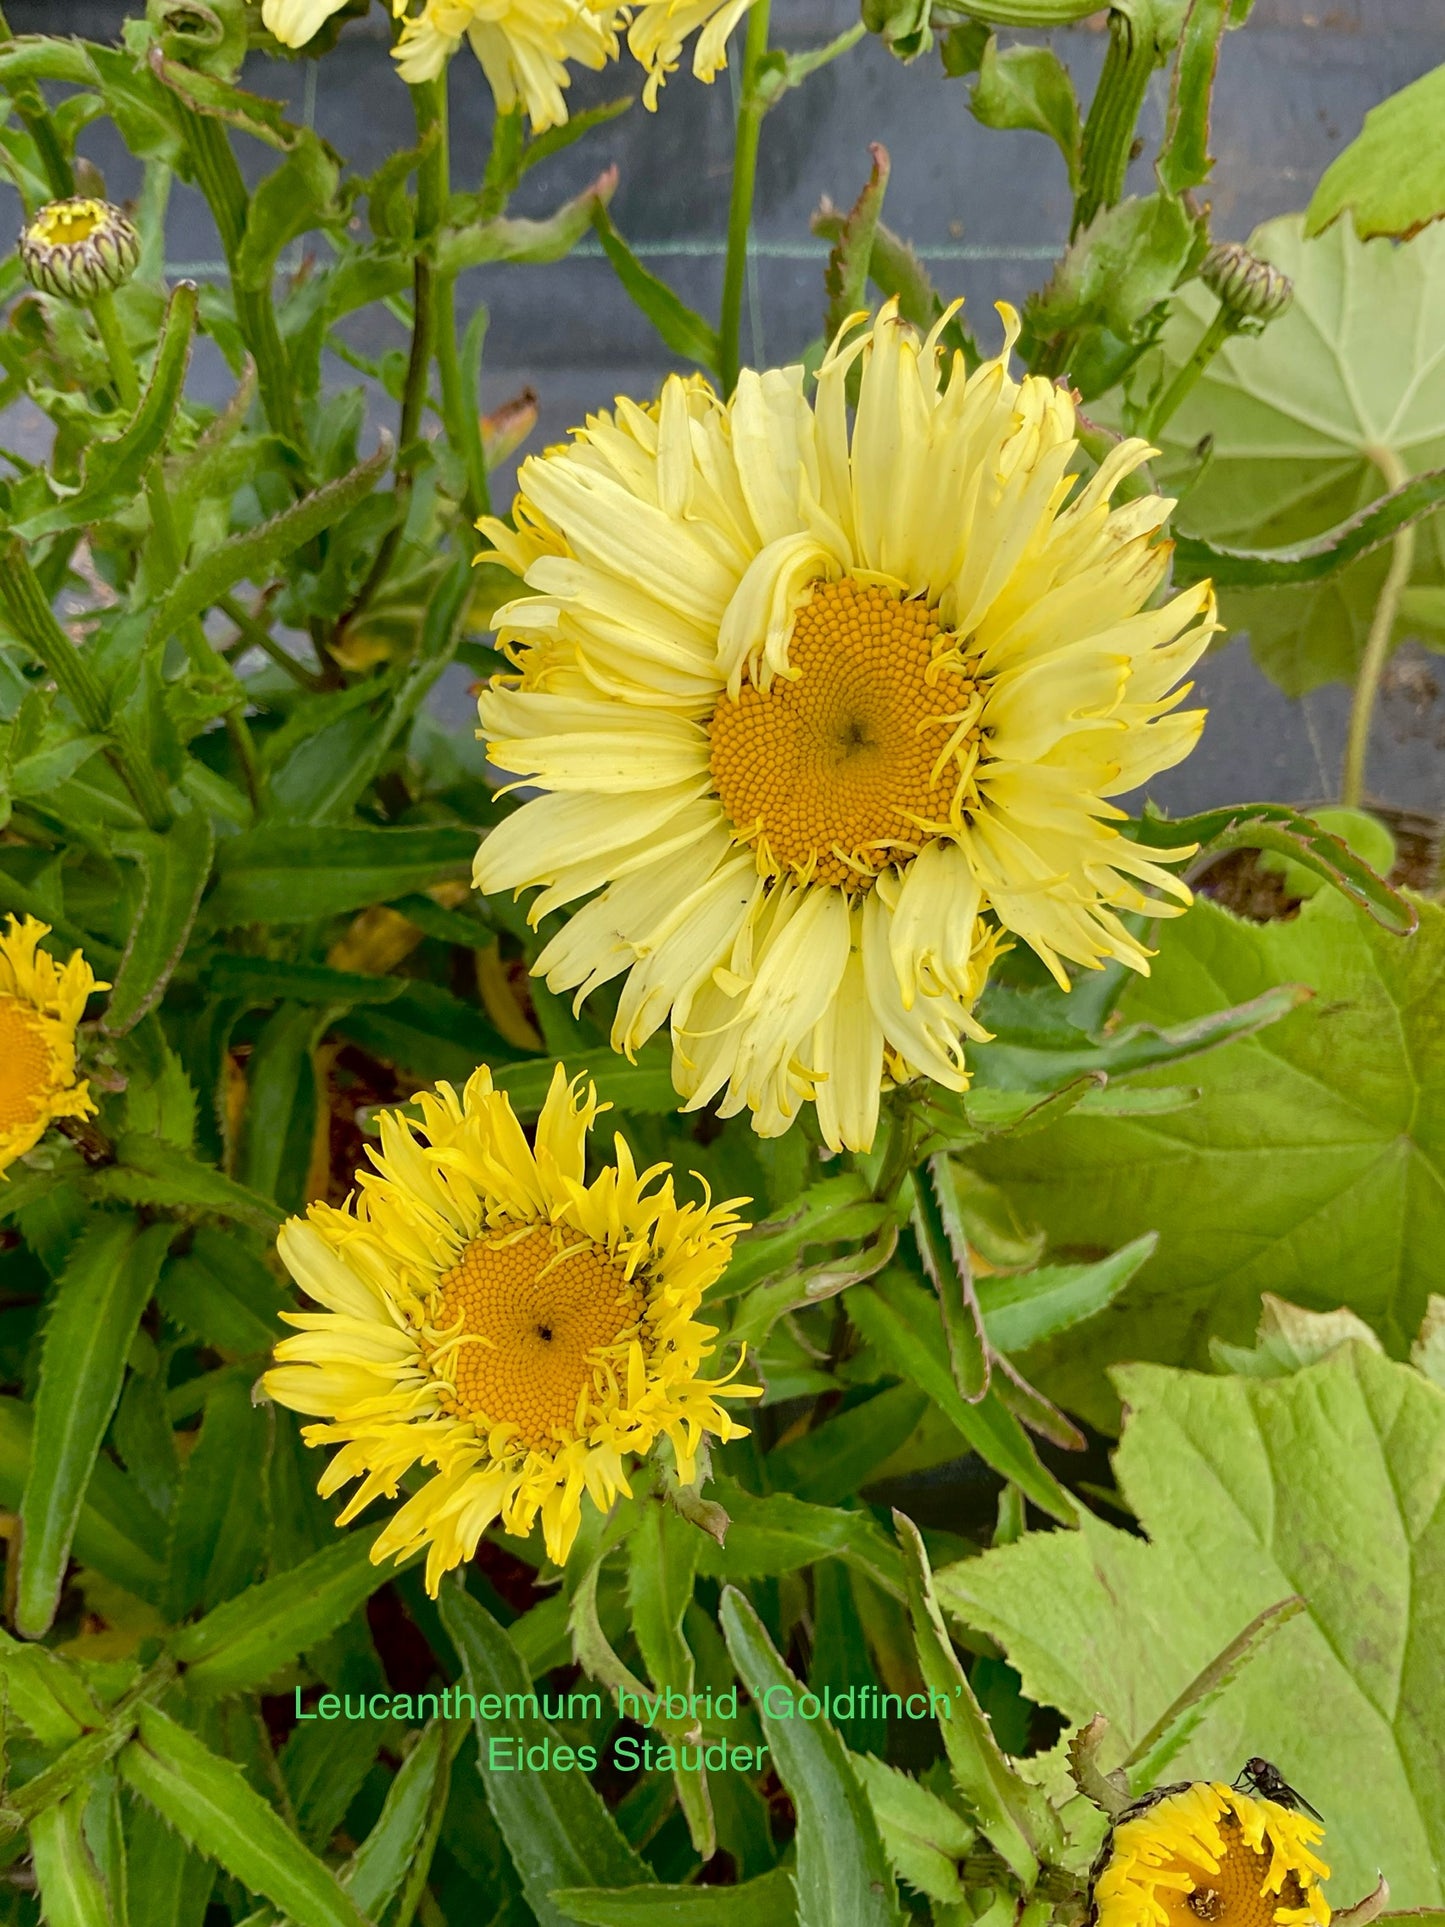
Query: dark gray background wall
point(987, 211)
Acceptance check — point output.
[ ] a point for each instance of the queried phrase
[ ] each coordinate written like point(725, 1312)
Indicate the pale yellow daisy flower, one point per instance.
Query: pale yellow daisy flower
point(1207, 1855)
point(294, 22)
point(524, 47)
point(490, 1313)
point(41, 1004)
point(823, 711)
point(660, 29)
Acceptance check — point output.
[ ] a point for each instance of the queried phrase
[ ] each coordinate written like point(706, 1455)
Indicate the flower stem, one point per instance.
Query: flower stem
point(1224, 324)
point(1377, 643)
point(218, 175)
point(464, 430)
point(1113, 116)
point(751, 109)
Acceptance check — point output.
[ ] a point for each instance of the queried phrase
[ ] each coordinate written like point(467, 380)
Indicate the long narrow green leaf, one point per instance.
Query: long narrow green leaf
point(1022, 1308)
point(944, 1250)
point(115, 470)
point(1194, 558)
point(842, 1871)
point(1147, 1763)
point(1275, 826)
point(1184, 158)
point(72, 1893)
point(404, 1837)
point(210, 1803)
point(149, 1171)
point(102, 1294)
point(248, 1640)
point(1017, 1818)
point(295, 875)
point(898, 1318)
point(679, 327)
point(769, 1901)
point(260, 552)
point(115, 1530)
point(845, 279)
point(174, 868)
point(556, 1827)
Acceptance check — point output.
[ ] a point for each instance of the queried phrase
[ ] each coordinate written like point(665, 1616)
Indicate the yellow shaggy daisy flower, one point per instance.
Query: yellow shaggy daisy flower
point(523, 47)
point(824, 711)
point(660, 28)
point(41, 1003)
point(489, 1312)
point(1207, 1853)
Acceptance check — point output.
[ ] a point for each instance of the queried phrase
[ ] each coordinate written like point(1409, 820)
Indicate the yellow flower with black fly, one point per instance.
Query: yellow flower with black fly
point(41, 1005)
point(827, 711)
point(490, 1313)
point(1210, 1855)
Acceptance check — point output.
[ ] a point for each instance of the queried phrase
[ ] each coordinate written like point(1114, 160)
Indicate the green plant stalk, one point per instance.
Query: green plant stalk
point(1224, 324)
point(432, 187)
point(1113, 117)
point(34, 619)
point(259, 637)
point(1377, 643)
point(35, 118)
point(218, 175)
point(751, 108)
point(170, 553)
point(464, 430)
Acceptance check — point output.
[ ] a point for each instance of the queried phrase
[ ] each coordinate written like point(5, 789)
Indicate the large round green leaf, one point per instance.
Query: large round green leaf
point(1313, 1165)
point(1307, 423)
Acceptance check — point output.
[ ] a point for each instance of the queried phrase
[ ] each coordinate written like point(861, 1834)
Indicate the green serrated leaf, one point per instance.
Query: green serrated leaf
point(1024, 1308)
point(1323, 1483)
point(296, 875)
point(217, 1541)
point(845, 278)
point(174, 868)
point(781, 1533)
point(1015, 1817)
point(115, 470)
point(900, 1318)
point(923, 1836)
point(209, 1802)
point(115, 1531)
point(72, 1892)
point(1310, 423)
point(557, 1830)
point(1391, 177)
point(260, 552)
point(248, 1640)
point(842, 1872)
point(102, 1293)
point(1029, 87)
point(768, 1901)
point(1319, 1133)
point(149, 1171)
point(678, 326)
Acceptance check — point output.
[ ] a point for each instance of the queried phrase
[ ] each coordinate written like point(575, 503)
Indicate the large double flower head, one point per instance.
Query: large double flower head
point(826, 705)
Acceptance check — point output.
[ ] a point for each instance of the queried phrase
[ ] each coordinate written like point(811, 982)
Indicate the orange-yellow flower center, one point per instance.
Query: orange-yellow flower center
point(540, 1315)
point(63, 223)
point(1235, 1895)
point(857, 756)
point(25, 1065)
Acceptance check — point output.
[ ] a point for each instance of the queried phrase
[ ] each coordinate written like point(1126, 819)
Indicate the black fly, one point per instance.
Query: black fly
point(1270, 1784)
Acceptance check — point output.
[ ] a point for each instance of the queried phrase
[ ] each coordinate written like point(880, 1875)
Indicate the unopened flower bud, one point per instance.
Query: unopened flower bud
point(1249, 288)
point(79, 249)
